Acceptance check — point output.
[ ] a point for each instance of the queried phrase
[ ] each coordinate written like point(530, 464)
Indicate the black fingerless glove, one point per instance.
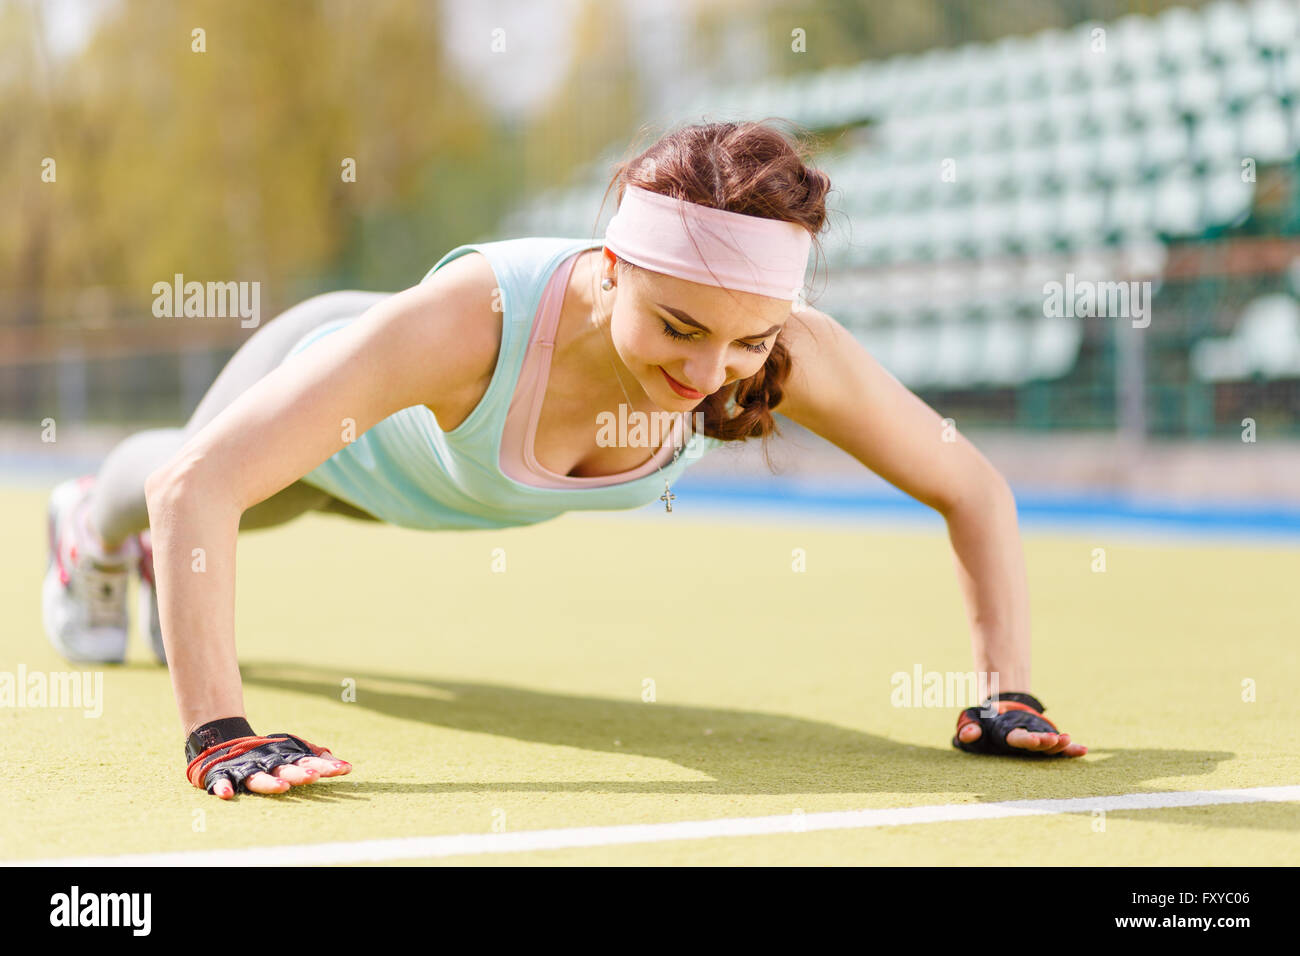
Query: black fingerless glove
point(1013, 710)
point(227, 749)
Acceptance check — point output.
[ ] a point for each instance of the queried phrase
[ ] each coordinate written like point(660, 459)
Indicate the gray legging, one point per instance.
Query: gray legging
point(117, 505)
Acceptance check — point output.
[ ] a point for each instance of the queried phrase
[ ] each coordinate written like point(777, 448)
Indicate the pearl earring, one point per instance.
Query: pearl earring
point(607, 283)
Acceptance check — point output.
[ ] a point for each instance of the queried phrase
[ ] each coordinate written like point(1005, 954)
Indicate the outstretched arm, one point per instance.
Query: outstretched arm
point(433, 342)
point(839, 391)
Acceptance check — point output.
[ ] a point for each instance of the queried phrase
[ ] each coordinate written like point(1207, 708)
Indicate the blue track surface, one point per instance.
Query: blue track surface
point(768, 496)
point(1036, 508)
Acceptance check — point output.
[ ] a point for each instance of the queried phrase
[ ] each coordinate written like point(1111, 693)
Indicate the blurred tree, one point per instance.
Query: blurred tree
point(219, 154)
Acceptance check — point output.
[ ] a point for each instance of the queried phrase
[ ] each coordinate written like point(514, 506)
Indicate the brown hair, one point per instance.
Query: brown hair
point(752, 169)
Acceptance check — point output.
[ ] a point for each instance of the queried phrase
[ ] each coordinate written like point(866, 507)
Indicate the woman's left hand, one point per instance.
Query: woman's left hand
point(1018, 728)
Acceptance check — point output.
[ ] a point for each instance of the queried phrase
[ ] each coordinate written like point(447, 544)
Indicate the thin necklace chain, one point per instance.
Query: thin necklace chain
point(667, 497)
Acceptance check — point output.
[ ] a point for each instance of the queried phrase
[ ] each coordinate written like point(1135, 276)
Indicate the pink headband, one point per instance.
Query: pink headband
point(745, 253)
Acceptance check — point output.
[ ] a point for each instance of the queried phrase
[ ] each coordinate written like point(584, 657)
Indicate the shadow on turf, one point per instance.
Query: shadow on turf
point(745, 752)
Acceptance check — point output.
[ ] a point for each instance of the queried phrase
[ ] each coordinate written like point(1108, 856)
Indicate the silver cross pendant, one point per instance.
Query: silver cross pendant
point(667, 498)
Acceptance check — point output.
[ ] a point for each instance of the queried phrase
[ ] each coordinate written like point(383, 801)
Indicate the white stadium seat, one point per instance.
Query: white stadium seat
point(1198, 90)
point(1073, 162)
point(956, 354)
point(1181, 35)
point(1266, 341)
point(1119, 157)
point(1083, 216)
point(1227, 196)
point(1035, 221)
point(1137, 40)
point(1164, 145)
point(1004, 351)
point(1273, 24)
point(1153, 101)
point(1227, 30)
point(1054, 346)
point(1178, 203)
point(1214, 139)
point(1246, 75)
point(1265, 133)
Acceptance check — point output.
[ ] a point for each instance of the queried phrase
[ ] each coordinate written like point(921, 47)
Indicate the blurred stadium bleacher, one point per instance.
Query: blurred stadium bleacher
point(1149, 149)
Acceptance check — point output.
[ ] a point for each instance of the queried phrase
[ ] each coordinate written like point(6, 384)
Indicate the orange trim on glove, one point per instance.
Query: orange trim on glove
point(1003, 706)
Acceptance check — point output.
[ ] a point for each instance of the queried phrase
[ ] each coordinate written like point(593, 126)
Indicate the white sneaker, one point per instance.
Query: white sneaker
point(149, 597)
point(84, 594)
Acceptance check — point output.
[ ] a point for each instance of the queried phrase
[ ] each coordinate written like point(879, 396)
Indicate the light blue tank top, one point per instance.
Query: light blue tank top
point(409, 472)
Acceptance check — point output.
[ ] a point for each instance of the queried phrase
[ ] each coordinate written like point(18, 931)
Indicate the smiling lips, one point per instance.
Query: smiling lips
point(679, 388)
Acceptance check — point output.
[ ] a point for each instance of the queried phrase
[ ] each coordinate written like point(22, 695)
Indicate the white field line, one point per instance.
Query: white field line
point(469, 844)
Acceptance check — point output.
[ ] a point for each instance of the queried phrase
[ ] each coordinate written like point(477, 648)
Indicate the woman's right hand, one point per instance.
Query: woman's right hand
point(259, 763)
point(304, 770)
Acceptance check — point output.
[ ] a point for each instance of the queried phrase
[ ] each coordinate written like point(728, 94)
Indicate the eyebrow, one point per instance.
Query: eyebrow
point(682, 316)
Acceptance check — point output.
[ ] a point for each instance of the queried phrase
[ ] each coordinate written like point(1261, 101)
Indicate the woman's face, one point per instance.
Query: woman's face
point(701, 336)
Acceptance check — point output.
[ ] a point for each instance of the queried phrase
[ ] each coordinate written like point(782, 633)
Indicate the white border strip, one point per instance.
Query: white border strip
point(471, 844)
